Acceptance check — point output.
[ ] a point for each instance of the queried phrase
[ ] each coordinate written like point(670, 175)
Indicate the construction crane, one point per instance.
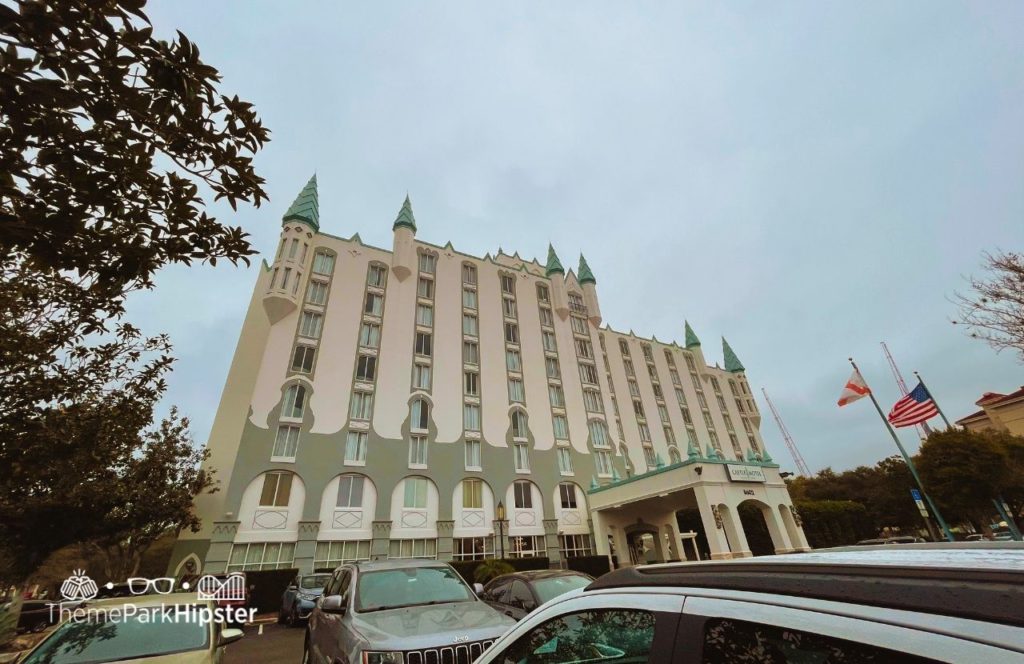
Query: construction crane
point(801, 465)
point(923, 428)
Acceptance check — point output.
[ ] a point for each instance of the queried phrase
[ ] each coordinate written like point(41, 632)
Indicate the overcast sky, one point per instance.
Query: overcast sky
point(807, 179)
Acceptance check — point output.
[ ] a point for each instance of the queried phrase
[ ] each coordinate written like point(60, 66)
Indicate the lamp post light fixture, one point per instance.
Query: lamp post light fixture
point(500, 513)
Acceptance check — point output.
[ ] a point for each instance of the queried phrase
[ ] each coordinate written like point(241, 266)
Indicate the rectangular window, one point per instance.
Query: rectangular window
point(472, 494)
point(369, 335)
point(323, 263)
point(707, 420)
point(575, 546)
point(675, 377)
point(472, 548)
point(355, 446)
point(508, 284)
point(424, 315)
point(470, 352)
point(739, 406)
point(374, 304)
point(515, 390)
point(551, 365)
point(576, 303)
point(634, 389)
point(350, 491)
point(302, 360)
point(362, 405)
point(260, 556)
point(513, 361)
point(511, 333)
point(546, 318)
point(690, 364)
point(415, 494)
point(658, 394)
point(645, 433)
point(628, 364)
point(588, 374)
point(522, 495)
point(472, 382)
point(687, 418)
point(561, 426)
point(286, 443)
point(366, 368)
point(548, 340)
point(469, 325)
point(579, 326)
point(528, 546)
point(680, 397)
point(473, 455)
point(670, 436)
point(423, 344)
point(715, 385)
point(316, 293)
point(331, 554)
point(556, 396)
point(663, 413)
point(592, 401)
point(421, 376)
point(412, 548)
point(508, 307)
point(603, 461)
point(425, 288)
point(376, 276)
point(468, 274)
point(728, 422)
point(598, 433)
point(469, 298)
point(702, 401)
point(471, 417)
point(669, 359)
point(542, 293)
point(428, 263)
point(746, 426)
point(564, 460)
point(522, 457)
point(277, 489)
point(623, 348)
point(418, 415)
point(417, 450)
point(567, 495)
point(649, 457)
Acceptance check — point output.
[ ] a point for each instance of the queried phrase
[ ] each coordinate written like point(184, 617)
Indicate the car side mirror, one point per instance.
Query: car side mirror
point(333, 604)
point(229, 635)
point(478, 588)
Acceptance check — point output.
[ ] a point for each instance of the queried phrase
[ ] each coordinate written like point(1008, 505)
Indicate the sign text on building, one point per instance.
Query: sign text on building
point(745, 473)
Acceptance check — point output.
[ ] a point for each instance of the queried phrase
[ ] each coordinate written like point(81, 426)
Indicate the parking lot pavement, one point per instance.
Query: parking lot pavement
point(277, 643)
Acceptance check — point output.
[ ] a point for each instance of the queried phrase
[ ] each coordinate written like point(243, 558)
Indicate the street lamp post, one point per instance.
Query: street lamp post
point(500, 513)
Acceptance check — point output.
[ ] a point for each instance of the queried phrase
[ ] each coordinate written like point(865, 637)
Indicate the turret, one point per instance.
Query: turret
point(556, 273)
point(588, 283)
point(299, 224)
point(732, 363)
point(403, 258)
point(693, 345)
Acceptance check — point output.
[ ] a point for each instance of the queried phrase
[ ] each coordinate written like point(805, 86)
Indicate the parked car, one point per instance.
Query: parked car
point(902, 539)
point(517, 594)
point(137, 638)
point(400, 612)
point(912, 604)
point(37, 615)
point(977, 537)
point(300, 597)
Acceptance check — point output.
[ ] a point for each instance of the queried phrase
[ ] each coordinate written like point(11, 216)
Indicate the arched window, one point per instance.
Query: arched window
point(598, 433)
point(673, 455)
point(419, 414)
point(519, 427)
point(323, 263)
point(294, 401)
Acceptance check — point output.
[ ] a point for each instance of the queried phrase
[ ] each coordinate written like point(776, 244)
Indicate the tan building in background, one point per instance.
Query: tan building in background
point(1002, 412)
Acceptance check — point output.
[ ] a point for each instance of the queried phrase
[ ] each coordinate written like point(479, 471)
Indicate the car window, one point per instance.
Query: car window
point(552, 587)
point(727, 640)
point(410, 586)
point(496, 591)
point(334, 584)
point(94, 642)
point(520, 596)
point(599, 635)
point(314, 581)
point(344, 581)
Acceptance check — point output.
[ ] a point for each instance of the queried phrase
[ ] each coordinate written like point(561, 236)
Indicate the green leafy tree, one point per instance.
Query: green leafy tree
point(491, 568)
point(963, 471)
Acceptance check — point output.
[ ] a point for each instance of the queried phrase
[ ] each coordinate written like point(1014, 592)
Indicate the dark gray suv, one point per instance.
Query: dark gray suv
point(400, 612)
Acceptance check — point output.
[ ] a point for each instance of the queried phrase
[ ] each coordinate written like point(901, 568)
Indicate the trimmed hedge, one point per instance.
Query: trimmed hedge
point(595, 566)
point(834, 522)
point(467, 568)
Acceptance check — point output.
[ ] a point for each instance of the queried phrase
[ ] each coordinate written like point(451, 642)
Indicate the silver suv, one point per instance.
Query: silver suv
point(400, 612)
point(912, 604)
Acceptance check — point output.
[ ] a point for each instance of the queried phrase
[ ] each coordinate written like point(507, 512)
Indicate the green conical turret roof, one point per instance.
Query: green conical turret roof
point(405, 216)
point(691, 338)
point(732, 363)
point(306, 207)
point(585, 276)
point(554, 265)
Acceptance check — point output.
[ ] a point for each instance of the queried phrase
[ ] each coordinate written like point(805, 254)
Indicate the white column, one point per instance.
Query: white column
point(796, 533)
point(734, 528)
point(713, 529)
point(777, 530)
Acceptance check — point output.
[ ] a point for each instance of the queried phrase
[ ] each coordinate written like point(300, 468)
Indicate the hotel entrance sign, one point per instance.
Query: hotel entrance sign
point(745, 473)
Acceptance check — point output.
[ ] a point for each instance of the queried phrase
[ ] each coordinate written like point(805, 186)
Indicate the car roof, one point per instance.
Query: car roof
point(534, 574)
point(146, 600)
point(397, 563)
point(968, 581)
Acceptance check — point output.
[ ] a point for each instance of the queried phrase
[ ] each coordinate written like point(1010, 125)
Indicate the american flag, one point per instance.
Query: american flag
point(914, 408)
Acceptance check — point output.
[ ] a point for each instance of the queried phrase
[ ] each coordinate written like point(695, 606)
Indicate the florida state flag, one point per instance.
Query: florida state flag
point(855, 389)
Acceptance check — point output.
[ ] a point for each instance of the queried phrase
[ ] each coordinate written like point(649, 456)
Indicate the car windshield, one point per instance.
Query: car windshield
point(314, 581)
point(552, 587)
point(94, 642)
point(410, 586)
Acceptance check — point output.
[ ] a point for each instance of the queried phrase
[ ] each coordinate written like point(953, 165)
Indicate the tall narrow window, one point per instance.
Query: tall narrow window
point(522, 495)
point(421, 376)
point(579, 326)
point(277, 489)
point(598, 433)
point(470, 352)
point(472, 381)
point(376, 276)
point(515, 390)
point(425, 288)
point(294, 401)
point(471, 417)
point(366, 368)
point(548, 341)
point(567, 495)
point(542, 293)
point(316, 293)
point(369, 335)
point(603, 461)
point(350, 491)
point(362, 405)
point(355, 447)
point(592, 401)
point(511, 333)
point(561, 426)
point(588, 374)
point(423, 344)
point(419, 415)
point(286, 443)
point(417, 450)
point(302, 360)
point(513, 362)
point(428, 263)
point(551, 366)
point(374, 304)
point(469, 325)
point(323, 263)
point(473, 455)
point(415, 493)
point(508, 307)
point(518, 424)
point(468, 274)
point(556, 396)
point(522, 457)
point(469, 298)
point(424, 315)
point(508, 284)
point(564, 460)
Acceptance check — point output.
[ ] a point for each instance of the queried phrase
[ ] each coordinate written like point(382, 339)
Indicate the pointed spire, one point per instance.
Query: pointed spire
point(691, 338)
point(554, 265)
point(405, 216)
point(732, 363)
point(306, 207)
point(585, 276)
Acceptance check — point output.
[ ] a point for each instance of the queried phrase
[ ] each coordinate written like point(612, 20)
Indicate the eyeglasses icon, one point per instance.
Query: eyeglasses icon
point(138, 585)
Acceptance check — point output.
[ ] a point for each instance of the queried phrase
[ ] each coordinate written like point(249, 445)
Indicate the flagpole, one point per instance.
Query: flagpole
point(944, 419)
point(906, 457)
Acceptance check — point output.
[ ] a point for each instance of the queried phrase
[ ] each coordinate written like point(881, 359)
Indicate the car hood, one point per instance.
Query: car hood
point(413, 627)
